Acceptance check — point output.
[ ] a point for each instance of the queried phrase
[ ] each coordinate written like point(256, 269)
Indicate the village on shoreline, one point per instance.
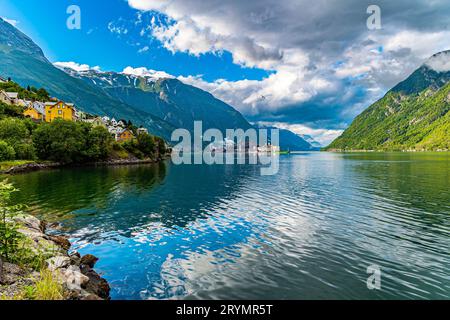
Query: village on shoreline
point(33, 121)
point(57, 109)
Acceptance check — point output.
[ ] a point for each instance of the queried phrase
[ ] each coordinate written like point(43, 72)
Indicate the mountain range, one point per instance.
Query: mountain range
point(290, 141)
point(169, 99)
point(159, 104)
point(414, 115)
point(23, 61)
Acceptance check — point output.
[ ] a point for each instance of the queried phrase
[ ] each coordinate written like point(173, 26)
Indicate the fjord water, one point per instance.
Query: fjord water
point(225, 232)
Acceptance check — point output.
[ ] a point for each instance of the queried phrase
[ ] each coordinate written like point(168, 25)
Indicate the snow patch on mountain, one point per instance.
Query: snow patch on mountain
point(144, 72)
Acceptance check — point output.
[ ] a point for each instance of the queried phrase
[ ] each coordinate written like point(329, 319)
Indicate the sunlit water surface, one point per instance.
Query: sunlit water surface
point(226, 232)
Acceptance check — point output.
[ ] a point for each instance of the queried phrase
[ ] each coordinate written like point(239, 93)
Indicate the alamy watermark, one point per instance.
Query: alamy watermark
point(374, 20)
point(252, 146)
point(374, 280)
point(74, 20)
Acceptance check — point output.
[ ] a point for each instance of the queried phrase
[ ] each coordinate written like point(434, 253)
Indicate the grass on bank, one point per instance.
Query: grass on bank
point(6, 165)
point(46, 288)
point(18, 249)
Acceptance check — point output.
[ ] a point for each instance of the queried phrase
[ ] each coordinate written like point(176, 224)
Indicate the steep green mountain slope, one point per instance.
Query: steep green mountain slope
point(414, 115)
point(170, 99)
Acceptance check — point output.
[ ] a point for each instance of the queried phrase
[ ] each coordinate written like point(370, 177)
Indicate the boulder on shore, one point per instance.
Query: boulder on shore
point(75, 273)
point(89, 260)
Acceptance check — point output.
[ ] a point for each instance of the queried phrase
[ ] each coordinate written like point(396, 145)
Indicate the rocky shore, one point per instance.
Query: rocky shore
point(30, 167)
point(125, 162)
point(74, 273)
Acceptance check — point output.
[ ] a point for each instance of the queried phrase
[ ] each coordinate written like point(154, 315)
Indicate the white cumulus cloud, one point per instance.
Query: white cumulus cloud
point(300, 44)
point(322, 136)
point(75, 66)
point(440, 62)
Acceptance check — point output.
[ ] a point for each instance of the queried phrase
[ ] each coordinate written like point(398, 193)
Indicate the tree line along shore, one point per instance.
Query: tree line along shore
point(37, 134)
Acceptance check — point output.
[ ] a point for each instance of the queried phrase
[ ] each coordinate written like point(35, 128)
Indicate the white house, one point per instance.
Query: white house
point(9, 97)
point(39, 107)
point(13, 95)
point(142, 131)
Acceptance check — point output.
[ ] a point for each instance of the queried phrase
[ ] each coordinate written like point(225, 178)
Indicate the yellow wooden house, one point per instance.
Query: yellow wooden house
point(125, 135)
point(35, 111)
point(59, 110)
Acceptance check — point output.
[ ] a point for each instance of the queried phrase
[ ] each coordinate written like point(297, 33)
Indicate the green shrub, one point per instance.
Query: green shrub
point(6, 151)
point(117, 146)
point(69, 142)
point(32, 94)
point(13, 130)
point(133, 147)
point(119, 151)
point(146, 144)
point(61, 141)
point(9, 236)
point(30, 125)
point(162, 149)
point(7, 110)
point(98, 144)
point(25, 151)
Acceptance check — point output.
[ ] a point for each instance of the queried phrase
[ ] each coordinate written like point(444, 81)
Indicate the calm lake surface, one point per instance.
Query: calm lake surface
point(225, 232)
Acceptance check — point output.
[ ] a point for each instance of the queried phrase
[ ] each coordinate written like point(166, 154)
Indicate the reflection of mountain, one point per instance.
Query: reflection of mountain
point(184, 201)
point(418, 182)
point(58, 194)
point(123, 199)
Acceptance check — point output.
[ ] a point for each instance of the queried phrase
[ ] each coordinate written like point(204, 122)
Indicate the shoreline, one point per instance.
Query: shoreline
point(382, 151)
point(40, 166)
point(36, 166)
point(72, 273)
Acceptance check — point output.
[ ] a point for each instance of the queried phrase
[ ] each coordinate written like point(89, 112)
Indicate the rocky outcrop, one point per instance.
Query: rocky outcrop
point(75, 273)
point(14, 279)
point(29, 167)
point(89, 260)
point(131, 161)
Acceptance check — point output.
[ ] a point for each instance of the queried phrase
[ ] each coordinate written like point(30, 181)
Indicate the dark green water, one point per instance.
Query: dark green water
point(225, 232)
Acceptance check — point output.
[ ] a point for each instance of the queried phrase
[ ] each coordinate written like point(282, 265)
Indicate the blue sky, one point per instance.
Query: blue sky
point(96, 45)
point(307, 68)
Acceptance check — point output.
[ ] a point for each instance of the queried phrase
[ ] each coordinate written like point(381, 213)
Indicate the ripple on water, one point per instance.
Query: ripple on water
point(210, 232)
